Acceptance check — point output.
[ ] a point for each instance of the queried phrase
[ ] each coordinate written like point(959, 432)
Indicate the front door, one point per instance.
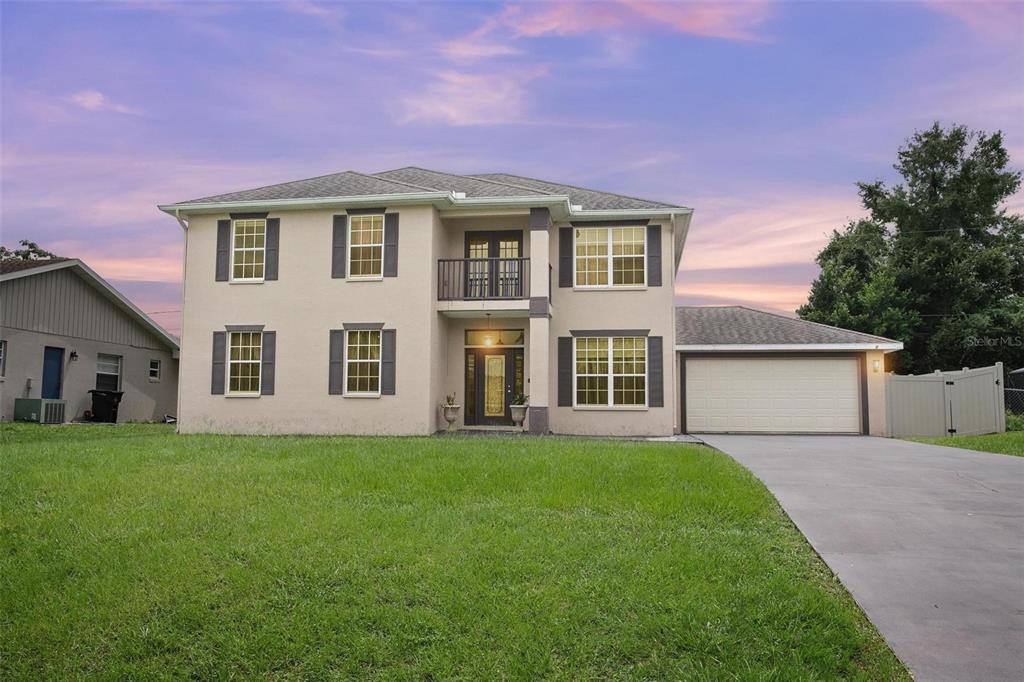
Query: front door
point(493, 377)
point(53, 373)
point(495, 265)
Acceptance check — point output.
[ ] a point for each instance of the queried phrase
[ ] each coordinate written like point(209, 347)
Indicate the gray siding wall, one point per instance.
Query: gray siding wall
point(61, 303)
point(62, 310)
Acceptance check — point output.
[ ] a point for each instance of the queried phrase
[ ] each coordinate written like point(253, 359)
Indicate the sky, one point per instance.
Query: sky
point(759, 115)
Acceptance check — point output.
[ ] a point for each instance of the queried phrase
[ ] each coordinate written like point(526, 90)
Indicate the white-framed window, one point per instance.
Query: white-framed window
point(108, 372)
point(244, 356)
point(154, 370)
point(611, 256)
point(362, 362)
point(3, 357)
point(248, 249)
point(366, 246)
point(610, 371)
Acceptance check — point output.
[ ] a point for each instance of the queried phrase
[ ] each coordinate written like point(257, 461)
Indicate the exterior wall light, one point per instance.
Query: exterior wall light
point(876, 366)
point(73, 356)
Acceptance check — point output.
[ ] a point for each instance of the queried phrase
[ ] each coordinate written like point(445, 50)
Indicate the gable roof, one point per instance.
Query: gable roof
point(421, 183)
point(739, 328)
point(16, 270)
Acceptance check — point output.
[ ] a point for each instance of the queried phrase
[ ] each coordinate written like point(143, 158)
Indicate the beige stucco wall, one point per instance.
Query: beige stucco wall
point(649, 308)
point(876, 393)
point(305, 303)
point(302, 306)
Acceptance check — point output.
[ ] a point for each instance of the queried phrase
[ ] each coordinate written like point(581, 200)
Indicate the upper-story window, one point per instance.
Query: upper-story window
point(248, 249)
point(366, 246)
point(610, 256)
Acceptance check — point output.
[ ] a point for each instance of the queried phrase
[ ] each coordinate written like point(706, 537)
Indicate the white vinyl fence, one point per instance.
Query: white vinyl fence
point(967, 402)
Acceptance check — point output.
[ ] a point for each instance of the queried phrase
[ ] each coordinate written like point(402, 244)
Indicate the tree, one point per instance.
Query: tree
point(28, 251)
point(939, 264)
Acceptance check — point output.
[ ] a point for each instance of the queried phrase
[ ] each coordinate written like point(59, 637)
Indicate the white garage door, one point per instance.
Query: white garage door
point(772, 395)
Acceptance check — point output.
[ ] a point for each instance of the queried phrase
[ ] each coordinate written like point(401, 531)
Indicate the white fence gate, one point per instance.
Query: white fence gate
point(967, 402)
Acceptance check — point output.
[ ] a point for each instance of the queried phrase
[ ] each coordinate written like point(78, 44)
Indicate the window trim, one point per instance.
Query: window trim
point(159, 370)
point(259, 365)
point(348, 250)
point(3, 358)
point(380, 364)
point(232, 248)
point(611, 405)
point(609, 259)
point(120, 368)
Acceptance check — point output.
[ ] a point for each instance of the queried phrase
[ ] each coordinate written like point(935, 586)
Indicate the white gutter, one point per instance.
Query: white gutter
point(363, 200)
point(786, 347)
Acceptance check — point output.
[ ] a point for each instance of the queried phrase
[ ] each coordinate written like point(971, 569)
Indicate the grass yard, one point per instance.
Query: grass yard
point(130, 552)
point(1009, 443)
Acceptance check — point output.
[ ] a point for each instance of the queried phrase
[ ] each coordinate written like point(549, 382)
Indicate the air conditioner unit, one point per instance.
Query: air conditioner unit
point(39, 410)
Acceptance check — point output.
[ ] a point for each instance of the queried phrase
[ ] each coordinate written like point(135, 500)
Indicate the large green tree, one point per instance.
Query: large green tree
point(939, 262)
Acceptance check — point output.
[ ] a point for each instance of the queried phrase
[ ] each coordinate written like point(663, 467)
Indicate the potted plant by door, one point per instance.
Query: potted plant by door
point(450, 410)
point(518, 407)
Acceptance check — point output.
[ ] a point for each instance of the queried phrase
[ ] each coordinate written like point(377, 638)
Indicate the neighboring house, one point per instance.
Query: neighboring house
point(64, 331)
point(353, 303)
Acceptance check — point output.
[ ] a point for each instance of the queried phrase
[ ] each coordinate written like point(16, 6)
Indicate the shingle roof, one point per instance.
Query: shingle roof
point(346, 184)
point(737, 325)
point(587, 198)
point(16, 265)
point(411, 180)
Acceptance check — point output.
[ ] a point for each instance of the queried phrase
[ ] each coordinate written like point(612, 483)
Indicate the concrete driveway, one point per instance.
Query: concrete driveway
point(929, 540)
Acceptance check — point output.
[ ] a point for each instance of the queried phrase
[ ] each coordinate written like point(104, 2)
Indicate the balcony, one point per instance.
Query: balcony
point(483, 279)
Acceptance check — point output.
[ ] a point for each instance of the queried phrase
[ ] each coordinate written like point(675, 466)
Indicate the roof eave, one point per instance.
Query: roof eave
point(193, 208)
point(888, 347)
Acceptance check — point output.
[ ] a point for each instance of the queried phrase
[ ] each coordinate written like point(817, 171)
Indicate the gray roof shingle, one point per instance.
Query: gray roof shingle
point(591, 199)
point(411, 180)
point(346, 184)
point(730, 325)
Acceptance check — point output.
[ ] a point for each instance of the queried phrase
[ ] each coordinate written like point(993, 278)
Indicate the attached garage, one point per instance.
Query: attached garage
point(748, 371)
point(773, 394)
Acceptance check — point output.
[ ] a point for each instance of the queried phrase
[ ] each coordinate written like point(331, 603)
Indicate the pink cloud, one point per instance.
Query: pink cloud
point(726, 20)
point(1002, 20)
point(465, 99)
point(94, 100)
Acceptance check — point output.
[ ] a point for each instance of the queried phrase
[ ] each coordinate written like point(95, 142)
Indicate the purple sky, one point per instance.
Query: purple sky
point(759, 115)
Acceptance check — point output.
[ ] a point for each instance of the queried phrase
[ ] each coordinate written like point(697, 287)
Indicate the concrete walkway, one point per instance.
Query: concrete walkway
point(929, 540)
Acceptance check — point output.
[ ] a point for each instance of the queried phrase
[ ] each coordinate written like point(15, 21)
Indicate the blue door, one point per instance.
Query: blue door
point(53, 372)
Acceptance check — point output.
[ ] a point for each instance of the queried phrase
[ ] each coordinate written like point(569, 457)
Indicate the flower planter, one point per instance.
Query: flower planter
point(518, 414)
point(451, 414)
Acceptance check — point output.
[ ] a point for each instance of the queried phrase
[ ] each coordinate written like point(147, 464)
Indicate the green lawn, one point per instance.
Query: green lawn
point(1009, 443)
point(130, 552)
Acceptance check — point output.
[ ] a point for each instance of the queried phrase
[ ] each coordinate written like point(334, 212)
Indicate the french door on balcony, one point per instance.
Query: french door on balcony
point(494, 265)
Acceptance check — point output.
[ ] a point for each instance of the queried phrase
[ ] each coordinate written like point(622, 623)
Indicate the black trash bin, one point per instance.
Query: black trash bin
point(104, 405)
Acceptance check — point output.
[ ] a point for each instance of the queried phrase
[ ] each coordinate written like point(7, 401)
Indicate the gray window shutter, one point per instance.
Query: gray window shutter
point(336, 366)
point(268, 356)
point(654, 255)
point(270, 258)
point(220, 343)
point(387, 362)
point(655, 372)
point(565, 269)
point(565, 371)
point(339, 250)
point(391, 245)
point(223, 250)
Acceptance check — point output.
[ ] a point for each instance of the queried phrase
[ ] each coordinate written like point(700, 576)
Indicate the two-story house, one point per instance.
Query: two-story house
point(354, 303)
